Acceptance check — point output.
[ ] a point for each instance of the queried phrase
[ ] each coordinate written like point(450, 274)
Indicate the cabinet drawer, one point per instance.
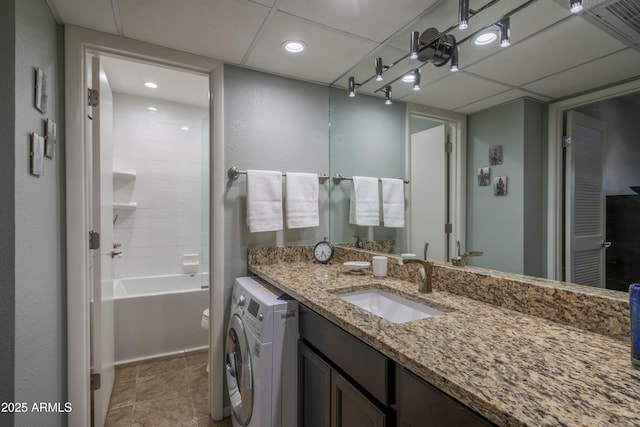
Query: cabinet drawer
point(362, 363)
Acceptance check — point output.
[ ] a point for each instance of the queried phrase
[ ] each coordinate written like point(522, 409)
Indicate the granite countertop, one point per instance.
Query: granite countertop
point(514, 369)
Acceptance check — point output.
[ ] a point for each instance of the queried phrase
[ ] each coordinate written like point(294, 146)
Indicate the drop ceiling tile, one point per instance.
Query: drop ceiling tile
point(455, 91)
point(554, 50)
point(497, 100)
point(97, 14)
point(605, 71)
point(221, 29)
point(327, 55)
point(371, 19)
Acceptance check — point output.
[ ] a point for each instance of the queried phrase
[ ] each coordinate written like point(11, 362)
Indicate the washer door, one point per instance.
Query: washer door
point(238, 370)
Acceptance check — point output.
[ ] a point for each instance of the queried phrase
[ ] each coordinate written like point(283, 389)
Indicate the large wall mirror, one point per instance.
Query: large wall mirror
point(484, 159)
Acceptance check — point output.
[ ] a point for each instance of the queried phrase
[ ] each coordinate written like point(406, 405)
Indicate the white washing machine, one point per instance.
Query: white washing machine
point(261, 355)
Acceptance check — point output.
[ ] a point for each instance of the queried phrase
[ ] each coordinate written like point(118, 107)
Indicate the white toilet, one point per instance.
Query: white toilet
point(205, 324)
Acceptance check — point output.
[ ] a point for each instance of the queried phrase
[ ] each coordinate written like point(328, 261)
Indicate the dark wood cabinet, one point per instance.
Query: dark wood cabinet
point(327, 399)
point(314, 389)
point(422, 405)
point(350, 408)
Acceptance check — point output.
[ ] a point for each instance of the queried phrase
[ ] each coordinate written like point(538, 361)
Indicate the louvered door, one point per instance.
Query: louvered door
point(585, 250)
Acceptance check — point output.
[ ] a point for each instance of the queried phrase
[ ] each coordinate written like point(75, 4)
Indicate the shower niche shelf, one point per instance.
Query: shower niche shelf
point(124, 175)
point(125, 206)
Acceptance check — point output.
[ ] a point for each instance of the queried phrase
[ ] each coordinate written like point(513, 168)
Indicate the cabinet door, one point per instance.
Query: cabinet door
point(314, 384)
point(349, 408)
point(420, 405)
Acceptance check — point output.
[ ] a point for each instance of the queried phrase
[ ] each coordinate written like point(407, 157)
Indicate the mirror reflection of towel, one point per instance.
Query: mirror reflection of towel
point(264, 200)
point(365, 203)
point(393, 202)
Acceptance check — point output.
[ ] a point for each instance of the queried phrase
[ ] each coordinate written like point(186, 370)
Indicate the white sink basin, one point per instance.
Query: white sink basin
point(391, 307)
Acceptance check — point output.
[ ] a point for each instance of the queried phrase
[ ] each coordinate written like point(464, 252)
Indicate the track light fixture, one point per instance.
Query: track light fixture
point(387, 95)
point(416, 80)
point(379, 69)
point(454, 60)
point(415, 40)
point(352, 86)
point(505, 31)
point(575, 6)
point(463, 15)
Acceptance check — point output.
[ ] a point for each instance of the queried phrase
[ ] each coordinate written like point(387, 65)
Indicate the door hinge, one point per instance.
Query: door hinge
point(448, 228)
point(448, 147)
point(566, 141)
point(94, 240)
point(95, 381)
point(93, 97)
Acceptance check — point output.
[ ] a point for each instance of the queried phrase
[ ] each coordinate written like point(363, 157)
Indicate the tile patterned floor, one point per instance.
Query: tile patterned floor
point(171, 391)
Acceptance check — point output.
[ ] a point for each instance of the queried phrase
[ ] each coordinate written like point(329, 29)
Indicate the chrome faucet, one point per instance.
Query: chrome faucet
point(461, 260)
point(425, 273)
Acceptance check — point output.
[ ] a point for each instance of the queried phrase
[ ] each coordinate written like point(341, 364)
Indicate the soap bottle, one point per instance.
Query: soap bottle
point(634, 307)
point(359, 243)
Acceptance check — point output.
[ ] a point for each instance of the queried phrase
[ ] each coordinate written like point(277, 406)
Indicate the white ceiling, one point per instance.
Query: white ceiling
point(553, 53)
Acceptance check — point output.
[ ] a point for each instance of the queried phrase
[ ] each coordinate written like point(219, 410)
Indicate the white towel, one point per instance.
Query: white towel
point(365, 203)
point(264, 200)
point(393, 202)
point(301, 200)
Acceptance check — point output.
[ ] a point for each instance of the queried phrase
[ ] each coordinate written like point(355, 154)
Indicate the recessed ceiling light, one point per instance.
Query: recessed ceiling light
point(485, 38)
point(409, 78)
point(152, 109)
point(150, 85)
point(293, 46)
point(185, 128)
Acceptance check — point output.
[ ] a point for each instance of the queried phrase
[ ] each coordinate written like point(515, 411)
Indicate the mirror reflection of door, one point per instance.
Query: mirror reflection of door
point(429, 193)
point(585, 249)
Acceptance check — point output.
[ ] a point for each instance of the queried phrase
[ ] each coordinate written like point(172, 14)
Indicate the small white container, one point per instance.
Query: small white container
point(380, 266)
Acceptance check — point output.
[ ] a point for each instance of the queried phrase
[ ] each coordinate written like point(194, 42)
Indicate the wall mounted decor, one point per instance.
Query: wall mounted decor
point(484, 176)
point(37, 154)
point(41, 91)
point(495, 155)
point(51, 138)
point(500, 186)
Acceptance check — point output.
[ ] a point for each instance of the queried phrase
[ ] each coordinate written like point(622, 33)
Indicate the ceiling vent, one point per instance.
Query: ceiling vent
point(620, 18)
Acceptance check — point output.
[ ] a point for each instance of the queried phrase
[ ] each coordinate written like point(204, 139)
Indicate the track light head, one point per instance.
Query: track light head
point(463, 15)
point(575, 6)
point(387, 95)
point(415, 40)
point(379, 68)
point(416, 80)
point(352, 86)
point(505, 32)
point(454, 60)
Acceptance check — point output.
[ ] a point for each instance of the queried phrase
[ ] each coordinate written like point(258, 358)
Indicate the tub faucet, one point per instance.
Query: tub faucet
point(425, 273)
point(461, 260)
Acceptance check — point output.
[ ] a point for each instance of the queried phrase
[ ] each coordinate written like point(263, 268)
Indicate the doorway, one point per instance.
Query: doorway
point(617, 107)
point(601, 158)
point(78, 43)
point(436, 163)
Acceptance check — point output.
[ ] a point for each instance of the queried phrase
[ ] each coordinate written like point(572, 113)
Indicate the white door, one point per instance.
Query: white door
point(428, 194)
point(102, 347)
point(585, 210)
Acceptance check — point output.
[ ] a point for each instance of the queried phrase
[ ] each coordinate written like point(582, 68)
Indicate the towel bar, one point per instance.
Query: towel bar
point(233, 173)
point(337, 179)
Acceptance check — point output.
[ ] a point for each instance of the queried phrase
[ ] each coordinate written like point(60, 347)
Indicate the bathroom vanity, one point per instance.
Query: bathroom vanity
point(493, 357)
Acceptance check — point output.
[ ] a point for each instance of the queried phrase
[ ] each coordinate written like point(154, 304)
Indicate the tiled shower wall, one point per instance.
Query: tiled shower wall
point(168, 150)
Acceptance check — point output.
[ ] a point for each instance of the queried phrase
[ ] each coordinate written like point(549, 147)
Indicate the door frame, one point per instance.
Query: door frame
point(458, 165)
point(555, 235)
point(79, 41)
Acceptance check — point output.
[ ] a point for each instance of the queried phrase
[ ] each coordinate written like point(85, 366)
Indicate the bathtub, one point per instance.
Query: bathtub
point(159, 315)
